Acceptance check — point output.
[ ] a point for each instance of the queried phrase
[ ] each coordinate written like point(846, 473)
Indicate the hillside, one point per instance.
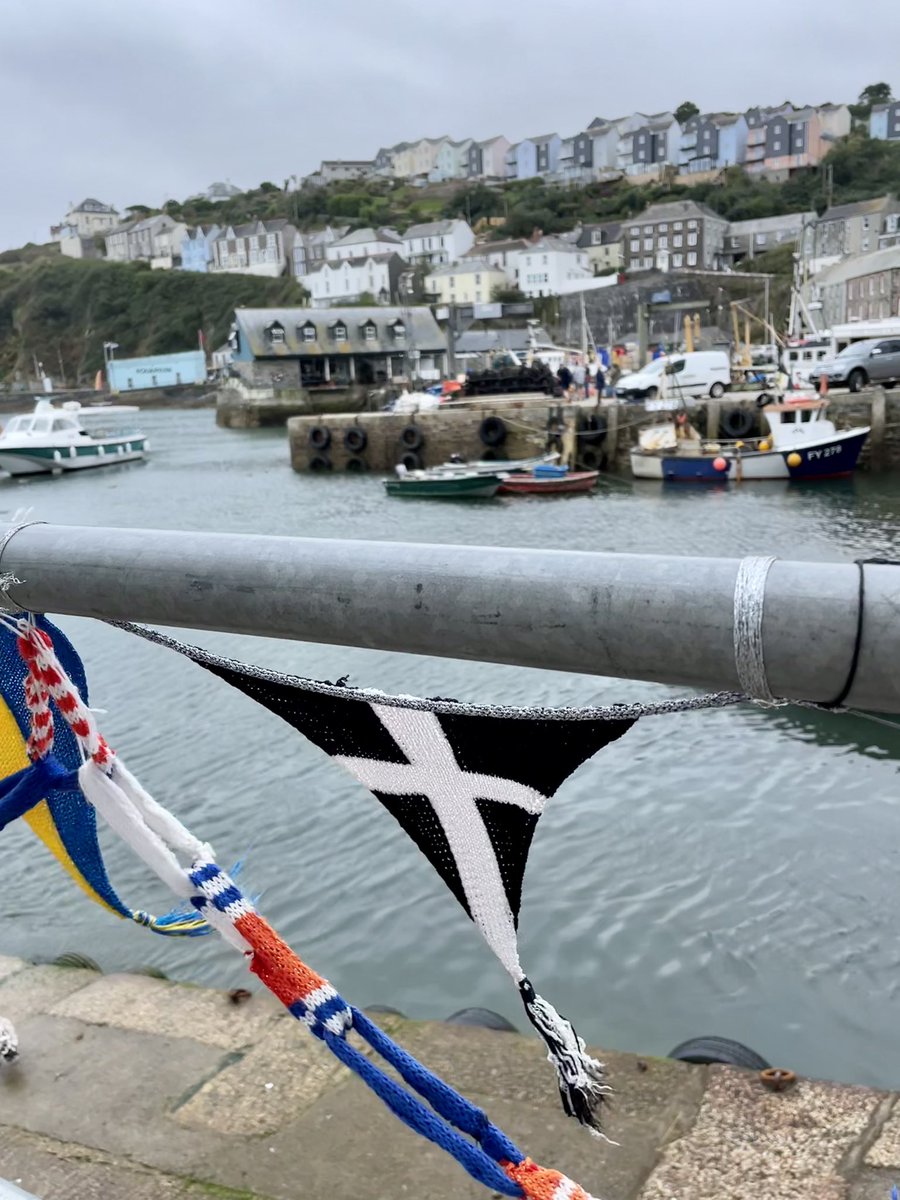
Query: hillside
point(62, 311)
point(859, 167)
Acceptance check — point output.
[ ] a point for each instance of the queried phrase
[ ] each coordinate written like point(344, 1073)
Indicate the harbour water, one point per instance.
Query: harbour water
point(734, 872)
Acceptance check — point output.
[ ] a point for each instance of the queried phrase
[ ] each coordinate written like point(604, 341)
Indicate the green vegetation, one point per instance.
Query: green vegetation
point(62, 311)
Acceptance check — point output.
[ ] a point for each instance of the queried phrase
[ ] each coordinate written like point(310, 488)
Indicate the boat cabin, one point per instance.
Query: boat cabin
point(798, 421)
point(42, 425)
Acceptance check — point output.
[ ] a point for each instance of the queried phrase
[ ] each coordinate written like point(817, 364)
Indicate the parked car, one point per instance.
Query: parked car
point(688, 376)
point(874, 360)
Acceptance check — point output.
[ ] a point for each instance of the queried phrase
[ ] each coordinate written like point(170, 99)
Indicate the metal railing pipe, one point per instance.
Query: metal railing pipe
point(649, 617)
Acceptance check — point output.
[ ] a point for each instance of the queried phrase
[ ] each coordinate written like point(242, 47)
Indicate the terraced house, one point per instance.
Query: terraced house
point(678, 235)
point(257, 248)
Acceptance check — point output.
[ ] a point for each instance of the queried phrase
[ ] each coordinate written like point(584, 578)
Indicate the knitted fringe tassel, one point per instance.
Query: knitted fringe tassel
point(9, 1042)
point(580, 1077)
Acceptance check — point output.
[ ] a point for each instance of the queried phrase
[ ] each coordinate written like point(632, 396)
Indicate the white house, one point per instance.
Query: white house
point(487, 159)
point(360, 243)
point(345, 281)
point(546, 265)
point(156, 240)
point(89, 218)
point(451, 161)
point(471, 281)
point(437, 242)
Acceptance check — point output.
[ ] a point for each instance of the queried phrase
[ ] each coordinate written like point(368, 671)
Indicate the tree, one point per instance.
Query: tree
point(505, 293)
point(268, 186)
point(875, 93)
point(685, 111)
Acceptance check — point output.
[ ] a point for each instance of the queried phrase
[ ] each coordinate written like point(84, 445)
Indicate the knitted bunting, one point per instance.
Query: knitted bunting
point(42, 786)
point(426, 1104)
point(468, 785)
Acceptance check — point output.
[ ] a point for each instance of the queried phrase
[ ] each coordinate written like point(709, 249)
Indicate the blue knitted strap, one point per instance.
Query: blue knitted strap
point(21, 792)
point(443, 1099)
point(414, 1114)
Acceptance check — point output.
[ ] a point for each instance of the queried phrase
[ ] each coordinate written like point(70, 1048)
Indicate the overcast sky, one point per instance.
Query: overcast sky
point(133, 101)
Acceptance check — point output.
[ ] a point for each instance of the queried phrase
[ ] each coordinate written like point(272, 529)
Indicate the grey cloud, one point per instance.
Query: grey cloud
point(134, 102)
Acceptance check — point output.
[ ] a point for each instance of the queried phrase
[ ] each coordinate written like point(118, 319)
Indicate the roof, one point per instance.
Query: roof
point(860, 208)
point(489, 141)
point(542, 137)
point(250, 228)
point(358, 236)
point(429, 228)
point(477, 341)
point(675, 210)
point(360, 261)
point(766, 224)
point(859, 266)
point(549, 243)
point(89, 204)
point(423, 332)
point(347, 162)
point(612, 228)
point(503, 247)
point(466, 268)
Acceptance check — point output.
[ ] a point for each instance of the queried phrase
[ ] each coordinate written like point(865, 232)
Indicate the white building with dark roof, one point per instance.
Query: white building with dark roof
point(437, 242)
point(360, 243)
point(343, 282)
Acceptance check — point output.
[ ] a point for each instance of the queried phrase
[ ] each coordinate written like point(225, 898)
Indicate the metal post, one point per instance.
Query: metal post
point(650, 617)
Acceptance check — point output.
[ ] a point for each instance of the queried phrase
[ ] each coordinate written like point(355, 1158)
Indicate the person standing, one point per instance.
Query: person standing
point(579, 375)
point(564, 375)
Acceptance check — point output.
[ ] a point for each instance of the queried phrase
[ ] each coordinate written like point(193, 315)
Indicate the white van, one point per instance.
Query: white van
point(664, 382)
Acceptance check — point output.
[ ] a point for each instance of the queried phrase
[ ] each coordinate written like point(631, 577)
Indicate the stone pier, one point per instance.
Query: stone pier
point(133, 1088)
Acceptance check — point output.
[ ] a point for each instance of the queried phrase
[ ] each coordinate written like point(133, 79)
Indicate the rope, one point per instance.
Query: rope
point(158, 838)
point(749, 605)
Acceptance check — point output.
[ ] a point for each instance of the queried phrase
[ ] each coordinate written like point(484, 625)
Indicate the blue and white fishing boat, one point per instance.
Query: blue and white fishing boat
point(802, 444)
point(69, 438)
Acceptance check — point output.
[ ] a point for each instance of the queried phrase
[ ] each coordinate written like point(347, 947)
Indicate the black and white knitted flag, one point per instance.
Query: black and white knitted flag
point(468, 784)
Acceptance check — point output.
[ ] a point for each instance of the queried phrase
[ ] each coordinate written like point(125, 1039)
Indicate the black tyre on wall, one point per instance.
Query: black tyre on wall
point(719, 1050)
point(592, 429)
point(355, 466)
point(355, 439)
point(738, 422)
point(492, 431)
point(412, 437)
point(412, 461)
point(320, 437)
point(320, 462)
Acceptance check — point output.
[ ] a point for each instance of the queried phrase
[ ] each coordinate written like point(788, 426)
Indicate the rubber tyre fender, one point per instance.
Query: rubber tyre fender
point(492, 431)
point(412, 460)
point(355, 439)
point(592, 429)
point(412, 437)
point(355, 466)
point(320, 437)
point(590, 459)
point(483, 1018)
point(320, 462)
point(719, 1050)
point(738, 422)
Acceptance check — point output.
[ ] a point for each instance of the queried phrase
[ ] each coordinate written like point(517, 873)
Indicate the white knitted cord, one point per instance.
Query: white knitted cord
point(749, 607)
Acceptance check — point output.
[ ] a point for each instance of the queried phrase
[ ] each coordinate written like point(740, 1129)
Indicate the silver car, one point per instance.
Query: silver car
point(875, 360)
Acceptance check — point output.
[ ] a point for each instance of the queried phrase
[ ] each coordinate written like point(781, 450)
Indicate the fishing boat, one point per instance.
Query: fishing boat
point(803, 444)
point(443, 485)
point(69, 438)
point(549, 481)
point(493, 466)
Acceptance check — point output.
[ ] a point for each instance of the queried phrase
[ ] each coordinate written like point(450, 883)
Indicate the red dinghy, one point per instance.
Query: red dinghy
point(553, 485)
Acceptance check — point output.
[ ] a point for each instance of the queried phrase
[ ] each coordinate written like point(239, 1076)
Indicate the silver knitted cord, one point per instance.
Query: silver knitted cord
point(749, 607)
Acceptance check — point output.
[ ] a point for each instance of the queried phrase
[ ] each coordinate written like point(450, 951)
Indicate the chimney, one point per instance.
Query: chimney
point(536, 235)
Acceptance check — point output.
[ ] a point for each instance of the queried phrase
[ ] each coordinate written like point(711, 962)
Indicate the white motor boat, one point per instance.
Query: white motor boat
point(71, 437)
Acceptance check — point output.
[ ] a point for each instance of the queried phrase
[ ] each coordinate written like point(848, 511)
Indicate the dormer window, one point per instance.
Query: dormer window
point(339, 331)
point(398, 329)
point(275, 333)
point(307, 332)
point(370, 331)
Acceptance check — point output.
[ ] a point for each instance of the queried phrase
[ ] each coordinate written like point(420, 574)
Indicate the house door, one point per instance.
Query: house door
point(312, 372)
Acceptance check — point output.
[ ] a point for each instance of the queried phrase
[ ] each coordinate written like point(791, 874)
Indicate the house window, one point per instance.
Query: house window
point(692, 224)
point(760, 239)
point(678, 240)
point(648, 243)
point(648, 263)
point(677, 260)
point(399, 330)
point(308, 333)
point(692, 239)
point(453, 279)
point(371, 333)
point(635, 246)
point(776, 145)
point(662, 242)
point(635, 231)
point(276, 335)
point(692, 258)
point(865, 222)
point(478, 279)
point(663, 228)
point(340, 332)
point(678, 225)
point(865, 243)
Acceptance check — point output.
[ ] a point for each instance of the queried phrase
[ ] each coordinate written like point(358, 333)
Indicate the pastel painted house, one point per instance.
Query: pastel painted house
point(471, 281)
point(196, 247)
point(884, 121)
point(451, 161)
point(712, 142)
point(487, 159)
point(803, 138)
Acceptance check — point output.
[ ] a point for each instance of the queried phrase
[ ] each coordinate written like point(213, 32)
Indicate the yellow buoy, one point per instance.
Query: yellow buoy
point(738, 445)
point(764, 445)
point(794, 459)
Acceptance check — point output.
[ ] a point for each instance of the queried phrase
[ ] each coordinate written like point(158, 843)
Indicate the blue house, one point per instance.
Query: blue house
point(196, 247)
point(884, 121)
point(537, 156)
